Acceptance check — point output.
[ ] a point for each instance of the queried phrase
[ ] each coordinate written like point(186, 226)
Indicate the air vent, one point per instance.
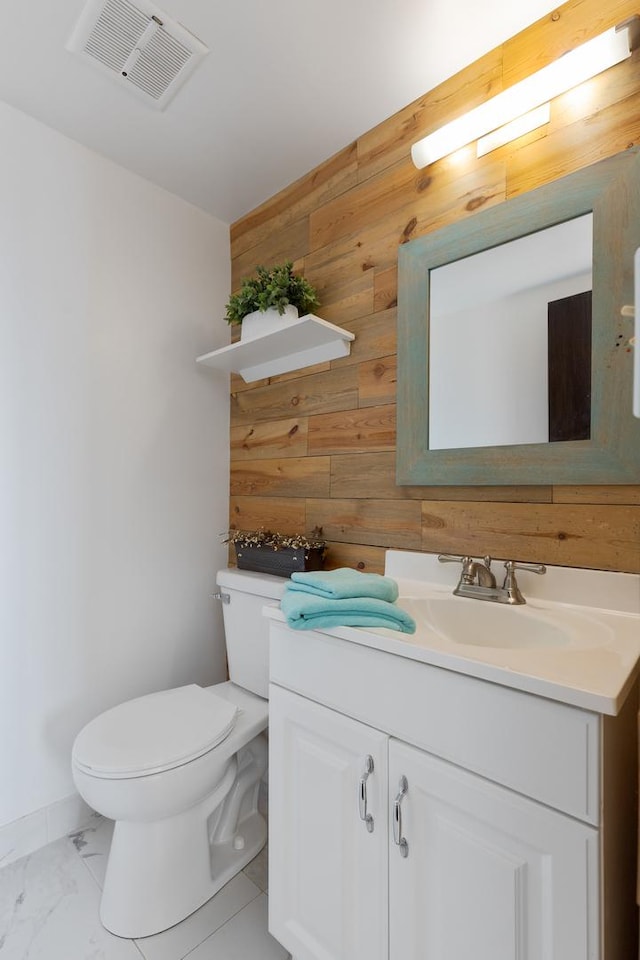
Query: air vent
point(138, 45)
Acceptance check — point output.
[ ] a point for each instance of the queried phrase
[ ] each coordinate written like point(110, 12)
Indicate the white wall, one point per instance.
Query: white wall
point(113, 448)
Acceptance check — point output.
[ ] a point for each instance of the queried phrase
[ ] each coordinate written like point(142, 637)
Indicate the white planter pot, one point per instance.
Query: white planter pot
point(259, 323)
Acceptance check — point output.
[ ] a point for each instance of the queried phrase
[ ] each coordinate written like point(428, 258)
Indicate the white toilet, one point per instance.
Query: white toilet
point(179, 772)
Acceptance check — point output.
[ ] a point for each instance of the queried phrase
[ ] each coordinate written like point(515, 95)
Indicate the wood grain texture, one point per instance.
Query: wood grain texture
point(602, 537)
point(602, 92)
point(385, 523)
point(294, 477)
point(372, 200)
point(340, 303)
point(369, 428)
point(278, 514)
point(449, 197)
point(377, 381)
point(295, 374)
point(375, 337)
point(621, 494)
point(237, 384)
point(289, 243)
point(327, 181)
point(570, 25)
point(385, 288)
point(373, 475)
point(369, 476)
point(391, 140)
point(319, 393)
point(281, 438)
point(357, 555)
point(577, 145)
point(343, 224)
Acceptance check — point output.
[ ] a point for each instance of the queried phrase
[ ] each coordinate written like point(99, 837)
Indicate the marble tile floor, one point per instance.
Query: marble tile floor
point(49, 904)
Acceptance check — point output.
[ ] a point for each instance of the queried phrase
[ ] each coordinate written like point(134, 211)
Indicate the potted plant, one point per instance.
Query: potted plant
point(280, 554)
point(270, 299)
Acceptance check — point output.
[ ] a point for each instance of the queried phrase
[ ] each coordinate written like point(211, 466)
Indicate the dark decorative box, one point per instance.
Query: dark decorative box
point(282, 562)
point(277, 554)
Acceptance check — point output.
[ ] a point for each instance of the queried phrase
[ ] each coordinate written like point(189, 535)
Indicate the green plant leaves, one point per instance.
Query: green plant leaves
point(276, 287)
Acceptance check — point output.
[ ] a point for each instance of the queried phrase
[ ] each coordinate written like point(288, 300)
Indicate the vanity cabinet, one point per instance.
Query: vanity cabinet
point(502, 813)
point(489, 875)
point(327, 871)
point(481, 867)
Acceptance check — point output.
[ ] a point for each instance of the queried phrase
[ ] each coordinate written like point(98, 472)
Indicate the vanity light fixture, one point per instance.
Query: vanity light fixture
point(518, 104)
point(516, 128)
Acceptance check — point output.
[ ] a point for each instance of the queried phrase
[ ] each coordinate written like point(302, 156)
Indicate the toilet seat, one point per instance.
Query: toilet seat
point(154, 733)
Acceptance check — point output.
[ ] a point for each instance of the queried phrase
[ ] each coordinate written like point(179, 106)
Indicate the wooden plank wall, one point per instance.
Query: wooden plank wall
point(315, 449)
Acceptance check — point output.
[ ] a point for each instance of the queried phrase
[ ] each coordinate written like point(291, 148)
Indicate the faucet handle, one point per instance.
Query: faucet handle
point(511, 565)
point(467, 562)
point(468, 565)
point(511, 584)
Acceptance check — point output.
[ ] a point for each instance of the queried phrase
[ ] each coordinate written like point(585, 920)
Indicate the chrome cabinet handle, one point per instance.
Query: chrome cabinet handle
point(362, 794)
point(398, 839)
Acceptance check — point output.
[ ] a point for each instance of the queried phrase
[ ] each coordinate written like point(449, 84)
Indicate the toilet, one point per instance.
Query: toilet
point(179, 773)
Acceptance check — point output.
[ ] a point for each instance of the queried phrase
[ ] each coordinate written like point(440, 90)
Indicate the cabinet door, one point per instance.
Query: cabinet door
point(328, 892)
point(489, 875)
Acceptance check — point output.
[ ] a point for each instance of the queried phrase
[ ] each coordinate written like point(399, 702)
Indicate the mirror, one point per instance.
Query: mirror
point(513, 357)
point(514, 308)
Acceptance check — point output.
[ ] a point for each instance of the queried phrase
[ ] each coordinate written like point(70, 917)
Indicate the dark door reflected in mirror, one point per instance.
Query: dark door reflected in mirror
point(569, 358)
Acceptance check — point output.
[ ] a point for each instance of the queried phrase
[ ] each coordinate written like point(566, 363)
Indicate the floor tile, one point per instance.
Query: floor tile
point(22, 837)
point(258, 870)
point(93, 843)
point(178, 941)
point(245, 937)
point(49, 910)
point(66, 815)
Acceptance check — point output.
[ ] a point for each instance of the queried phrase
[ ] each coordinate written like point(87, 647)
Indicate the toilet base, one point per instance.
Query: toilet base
point(160, 872)
point(228, 862)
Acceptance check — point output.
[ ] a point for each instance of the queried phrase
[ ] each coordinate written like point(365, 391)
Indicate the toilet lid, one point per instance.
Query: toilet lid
point(155, 732)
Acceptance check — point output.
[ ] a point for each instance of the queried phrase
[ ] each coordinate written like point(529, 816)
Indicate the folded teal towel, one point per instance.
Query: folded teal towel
point(306, 612)
point(343, 583)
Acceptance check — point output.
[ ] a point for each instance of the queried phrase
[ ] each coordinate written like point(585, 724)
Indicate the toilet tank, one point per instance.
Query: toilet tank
point(246, 630)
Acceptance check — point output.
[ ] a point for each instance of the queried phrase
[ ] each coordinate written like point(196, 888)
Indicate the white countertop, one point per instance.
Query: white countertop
point(594, 668)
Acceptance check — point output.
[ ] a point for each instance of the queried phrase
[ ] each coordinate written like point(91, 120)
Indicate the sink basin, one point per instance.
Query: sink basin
point(482, 623)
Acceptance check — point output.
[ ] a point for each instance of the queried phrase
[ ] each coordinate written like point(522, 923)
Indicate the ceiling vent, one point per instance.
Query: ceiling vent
point(138, 45)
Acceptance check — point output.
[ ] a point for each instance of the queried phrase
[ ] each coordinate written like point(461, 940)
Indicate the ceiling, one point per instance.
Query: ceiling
point(286, 84)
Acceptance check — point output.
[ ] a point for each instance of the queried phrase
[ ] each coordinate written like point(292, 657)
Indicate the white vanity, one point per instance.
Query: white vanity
point(433, 799)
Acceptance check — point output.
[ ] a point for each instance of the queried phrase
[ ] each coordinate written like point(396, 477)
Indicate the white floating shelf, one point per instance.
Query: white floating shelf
point(301, 343)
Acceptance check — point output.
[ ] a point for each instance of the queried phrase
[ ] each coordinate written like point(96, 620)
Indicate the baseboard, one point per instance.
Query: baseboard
point(24, 836)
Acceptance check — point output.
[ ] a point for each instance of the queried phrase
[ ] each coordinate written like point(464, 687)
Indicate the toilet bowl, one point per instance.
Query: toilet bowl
point(179, 773)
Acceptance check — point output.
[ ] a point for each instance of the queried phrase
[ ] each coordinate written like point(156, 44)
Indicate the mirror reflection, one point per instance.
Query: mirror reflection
point(510, 342)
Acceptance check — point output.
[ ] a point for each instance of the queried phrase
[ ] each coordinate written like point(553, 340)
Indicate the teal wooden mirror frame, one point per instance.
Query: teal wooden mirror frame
point(611, 190)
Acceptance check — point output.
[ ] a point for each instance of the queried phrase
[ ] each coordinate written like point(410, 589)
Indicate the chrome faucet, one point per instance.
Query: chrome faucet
point(474, 572)
point(477, 580)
